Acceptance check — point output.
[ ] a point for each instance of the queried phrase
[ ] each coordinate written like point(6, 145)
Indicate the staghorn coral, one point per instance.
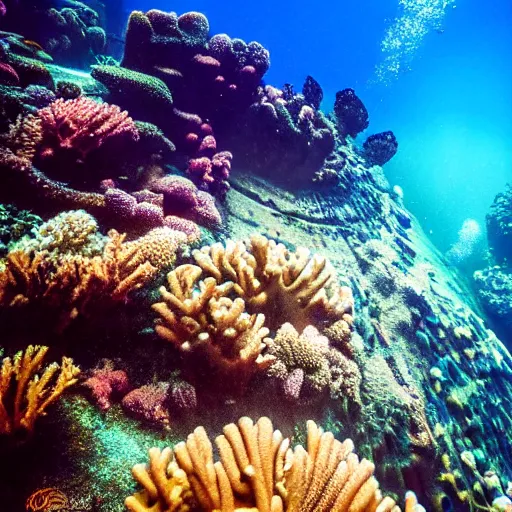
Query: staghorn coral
point(74, 285)
point(302, 288)
point(258, 471)
point(27, 388)
point(220, 342)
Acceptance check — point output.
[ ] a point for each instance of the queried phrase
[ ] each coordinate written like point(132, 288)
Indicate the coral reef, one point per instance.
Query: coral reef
point(220, 323)
point(52, 275)
point(71, 33)
point(258, 471)
point(28, 388)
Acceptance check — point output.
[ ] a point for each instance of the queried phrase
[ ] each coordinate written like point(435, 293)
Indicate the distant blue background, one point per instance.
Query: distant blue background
point(452, 114)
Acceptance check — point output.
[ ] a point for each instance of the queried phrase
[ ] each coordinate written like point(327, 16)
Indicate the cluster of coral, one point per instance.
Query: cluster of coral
point(259, 471)
point(133, 192)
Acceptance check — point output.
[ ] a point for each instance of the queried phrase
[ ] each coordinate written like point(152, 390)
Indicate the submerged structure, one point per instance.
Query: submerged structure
point(184, 247)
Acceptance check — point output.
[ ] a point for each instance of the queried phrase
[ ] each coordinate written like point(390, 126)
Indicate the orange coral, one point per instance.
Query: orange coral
point(74, 285)
point(25, 395)
point(258, 471)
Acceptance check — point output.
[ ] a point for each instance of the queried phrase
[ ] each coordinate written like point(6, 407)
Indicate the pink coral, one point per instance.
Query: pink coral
point(106, 383)
point(149, 403)
point(82, 125)
point(8, 75)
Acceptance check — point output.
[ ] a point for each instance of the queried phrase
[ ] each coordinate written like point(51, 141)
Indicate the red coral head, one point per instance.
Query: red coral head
point(82, 125)
point(208, 146)
point(200, 169)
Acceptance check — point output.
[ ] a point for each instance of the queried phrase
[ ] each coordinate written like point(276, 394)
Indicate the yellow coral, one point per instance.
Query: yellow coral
point(166, 486)
point(259, 472)
point(25, 395)
point(75, 284)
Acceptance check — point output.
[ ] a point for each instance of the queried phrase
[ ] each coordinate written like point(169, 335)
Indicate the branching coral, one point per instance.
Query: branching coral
point(213, 332)
point(258, 471)
point(220, 322)
point(27, 388)
point(302, 288)
point(68, 284)
point(166, 486)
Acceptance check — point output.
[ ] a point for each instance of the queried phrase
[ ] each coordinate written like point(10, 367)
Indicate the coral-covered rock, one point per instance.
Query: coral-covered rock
point(69, 31)
point(351, 114)
point(106, 385)
point(380, 148)
point(499, 227)
point(312, 92)
point(149, 403)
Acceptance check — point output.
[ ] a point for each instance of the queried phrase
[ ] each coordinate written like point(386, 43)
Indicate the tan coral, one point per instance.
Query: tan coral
point(166, 487)
point(258, 472)
point(213, 331)
point(301, 286)
point(307, 351)
point(330, 477)
point(27, 388)
point(158, 247)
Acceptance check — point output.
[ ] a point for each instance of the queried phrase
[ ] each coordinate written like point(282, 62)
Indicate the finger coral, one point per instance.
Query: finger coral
point(301, 287)
point(166, 486)
point(27, 388)
point(219, 340)
point(257, 470)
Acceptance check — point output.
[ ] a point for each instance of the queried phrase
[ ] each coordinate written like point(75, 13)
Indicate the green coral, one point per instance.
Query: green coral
point(122, 82)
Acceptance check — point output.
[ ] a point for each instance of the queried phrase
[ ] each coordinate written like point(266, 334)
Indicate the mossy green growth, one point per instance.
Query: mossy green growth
point(133, 86)
point(104, 448)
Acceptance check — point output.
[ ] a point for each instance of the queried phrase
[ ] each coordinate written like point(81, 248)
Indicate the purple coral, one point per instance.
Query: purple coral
point(183, 397)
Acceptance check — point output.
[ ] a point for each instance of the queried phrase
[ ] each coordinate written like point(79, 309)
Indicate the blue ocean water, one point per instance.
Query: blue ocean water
point(451, 112)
